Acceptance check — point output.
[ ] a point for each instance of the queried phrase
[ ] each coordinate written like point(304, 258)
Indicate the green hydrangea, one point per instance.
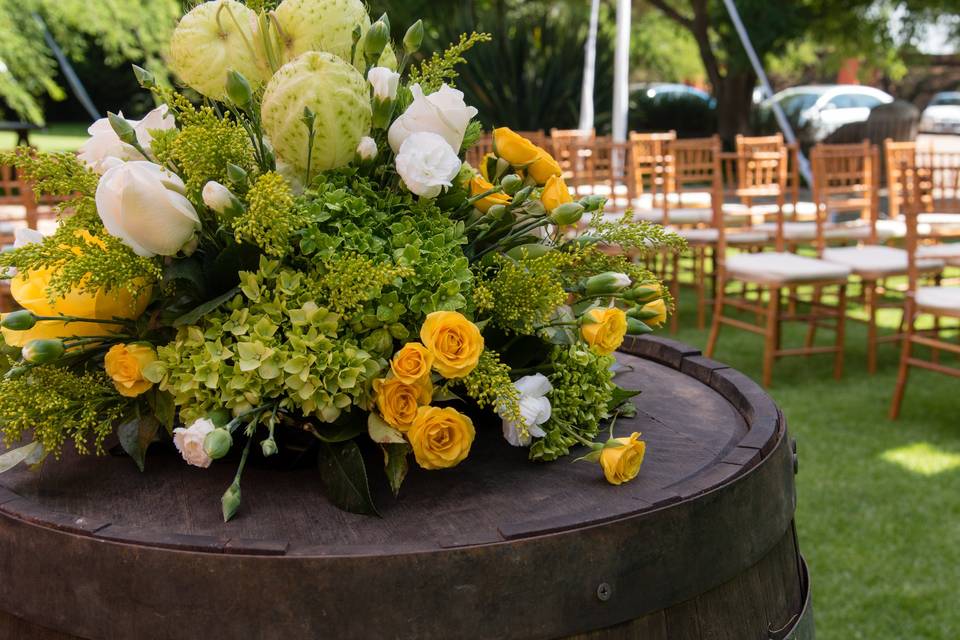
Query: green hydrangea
point(271, 343)
point(582, 389)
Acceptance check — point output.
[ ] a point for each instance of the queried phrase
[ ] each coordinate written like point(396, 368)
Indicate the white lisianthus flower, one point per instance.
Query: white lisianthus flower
point(427, 164)
point(189, 442)
point(535, 410)
point(104, 147)
point(385, 83)
point(367, 149)
point(146, 207)
point(443, 113)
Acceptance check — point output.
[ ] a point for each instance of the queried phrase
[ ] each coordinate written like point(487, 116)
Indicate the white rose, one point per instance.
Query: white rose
point(220, 199)
point(427, 164)
point(144, 205)
point(385, 83)
point(443, 113)
point(367, 149)
point(535, 410)
point(189, 442)
point(104, 147)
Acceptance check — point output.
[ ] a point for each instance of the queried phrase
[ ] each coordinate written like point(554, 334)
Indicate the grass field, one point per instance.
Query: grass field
point(64, 136)
point(879, 501)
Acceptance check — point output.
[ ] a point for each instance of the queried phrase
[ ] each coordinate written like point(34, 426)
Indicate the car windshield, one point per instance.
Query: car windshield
point(951, 99)
point(795, 104)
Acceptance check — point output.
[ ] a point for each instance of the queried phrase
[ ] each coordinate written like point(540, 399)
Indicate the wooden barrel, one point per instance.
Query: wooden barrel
point(700, 545)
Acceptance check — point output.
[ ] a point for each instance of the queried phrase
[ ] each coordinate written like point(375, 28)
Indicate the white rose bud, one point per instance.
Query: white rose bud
point(146, 207)
point(535, 410)
point(367, 149)
point(385, 83)
point(427, 164)
point(104, 148)
point(22, 236)
point(189, 442)
point(443, 113)
point(220, 199)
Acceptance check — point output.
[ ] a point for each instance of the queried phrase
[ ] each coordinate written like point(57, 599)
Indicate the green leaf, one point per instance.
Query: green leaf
point(339, 431)
point(14, 457)
point(344, 478)
point(620, 395)
point(191, 317)
point(164, 409)
point(395, 464)
point(381, 432)
point(136, 435)
point(188, 271)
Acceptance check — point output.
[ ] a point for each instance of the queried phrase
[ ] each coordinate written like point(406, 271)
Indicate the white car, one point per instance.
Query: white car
point(942, 115)
point(820, 110)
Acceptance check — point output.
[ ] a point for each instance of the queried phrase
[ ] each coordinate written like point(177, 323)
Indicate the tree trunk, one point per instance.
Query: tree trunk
point(734, 95)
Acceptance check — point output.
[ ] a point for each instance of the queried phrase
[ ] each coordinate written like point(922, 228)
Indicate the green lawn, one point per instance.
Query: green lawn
point(62, 136)
point(879, 501)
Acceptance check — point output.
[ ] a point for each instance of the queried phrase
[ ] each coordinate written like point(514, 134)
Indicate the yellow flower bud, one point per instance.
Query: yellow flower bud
point(441, 438)
point(124, 363)
point(604, 329)
point(555, 193)
point(514, 148)
point(479, 185)
point(544, 168)
point(622, 463)
point(660, 307)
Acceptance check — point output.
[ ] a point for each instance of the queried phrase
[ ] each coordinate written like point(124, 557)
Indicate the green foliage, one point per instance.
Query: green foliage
point(526, 293)
point(272, 343)
point(271, 218)
point(57, 405)
point(53, 174)
point(125, 30)
point(582, 389)
point(442, 67)
point(642, 237)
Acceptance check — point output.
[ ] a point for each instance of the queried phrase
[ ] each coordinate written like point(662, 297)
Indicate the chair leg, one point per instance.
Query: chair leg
point(841, 332)
point(699, 282)
point(770, 335)
point(815, 300)
point(904, 371)
point(675, 290)
point(870, 303)
point(718, 303)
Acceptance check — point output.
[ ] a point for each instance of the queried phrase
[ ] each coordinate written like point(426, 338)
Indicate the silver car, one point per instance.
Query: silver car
point(942, 115)
point(822, 109)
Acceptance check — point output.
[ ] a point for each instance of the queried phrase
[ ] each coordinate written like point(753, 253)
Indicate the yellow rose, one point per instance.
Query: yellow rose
point(555, 193)
point(412, 363)
point(604, 329)
point(661, 308)
point(514, 148)
point(544, 168)
point(440, 438)
point(30, 292)
point(622, 464)
point(483, 166)
point(454, 341)
point(125, 363)
point(479, 185)
point(398, 401)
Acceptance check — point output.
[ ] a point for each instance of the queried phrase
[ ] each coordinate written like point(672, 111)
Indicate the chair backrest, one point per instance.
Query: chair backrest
point(695, 163)
point(845, 180)
point(911, 194)
point(897, 155)
point(753, 144)
point(649, 154)
point(940, 173)
point(17, 192)
point(571, 149)
point(608, 171)
point(477, 152)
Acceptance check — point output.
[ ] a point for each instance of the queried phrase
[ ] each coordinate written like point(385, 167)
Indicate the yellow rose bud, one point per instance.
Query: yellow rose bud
point(661, 308)
point(454, 341)
point(544, 168)
point(479, 185)
point(125, 363)
point(440, 438)
point(398, 401)
point(604, 329)
point(30, 292)
point(622, 464)
point(412, 363)
point(483, 166)
point(514, 148)
point(555, 193)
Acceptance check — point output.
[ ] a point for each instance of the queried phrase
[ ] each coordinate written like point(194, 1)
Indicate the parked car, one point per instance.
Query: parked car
point(662, 106)
point(659, 91)
point(942, 115)
point(816, 111)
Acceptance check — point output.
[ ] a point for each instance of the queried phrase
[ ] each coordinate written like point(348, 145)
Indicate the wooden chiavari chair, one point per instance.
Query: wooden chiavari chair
point(478, 152)
point(938, 301)
point(938, 181)
point(20, 210)
point(649, 155)
point(572, 149)
point(775, 272)
point(610, 174)
point(846, 180)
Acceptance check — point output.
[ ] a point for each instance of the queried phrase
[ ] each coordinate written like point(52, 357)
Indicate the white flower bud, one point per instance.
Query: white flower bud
point(385, 83)
point(217, 197)
point(367, 149)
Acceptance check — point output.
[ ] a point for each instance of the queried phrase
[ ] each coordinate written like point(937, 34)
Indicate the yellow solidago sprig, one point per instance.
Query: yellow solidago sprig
point(527, 292)
point(271, 217)
point(441, 68)
point(54, 174)
point(490, 386)
point(348, 281)
point(643, 237)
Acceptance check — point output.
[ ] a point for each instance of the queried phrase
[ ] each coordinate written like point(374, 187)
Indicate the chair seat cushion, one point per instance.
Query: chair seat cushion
point(784, 267)
point(803, 208)
point(807, 231)
point(712, 236)
point(948, 252)
point(688, 198)
point(939, 298)
point(928, 224)
point(679, 215)
point(876, 260)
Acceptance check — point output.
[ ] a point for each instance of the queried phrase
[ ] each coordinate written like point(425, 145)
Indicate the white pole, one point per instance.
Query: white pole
point(621, 72)
point(767, 90)
point(589, 69)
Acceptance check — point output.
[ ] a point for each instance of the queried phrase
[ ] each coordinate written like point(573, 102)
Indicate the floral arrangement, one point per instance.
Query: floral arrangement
point(292, 249)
